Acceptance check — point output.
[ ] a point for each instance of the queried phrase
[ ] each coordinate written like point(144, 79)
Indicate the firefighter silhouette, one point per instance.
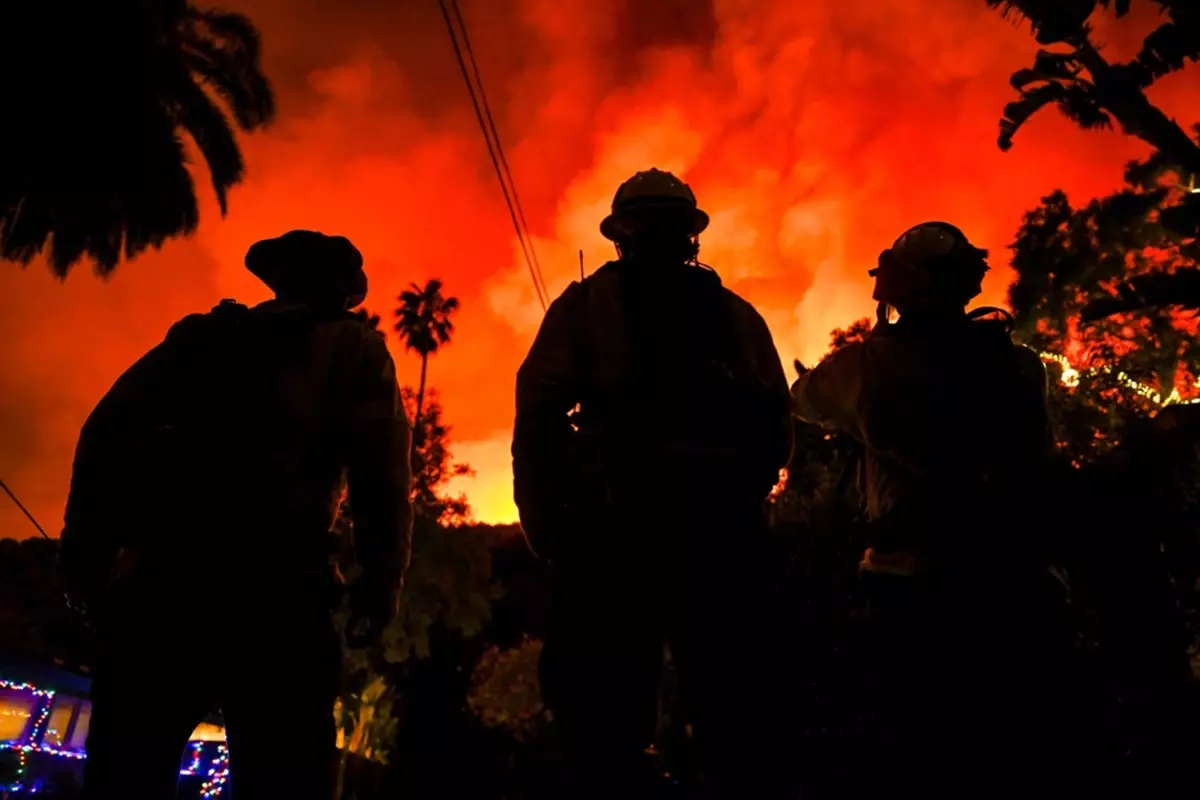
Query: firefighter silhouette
point(648, 501)
point(204, 489)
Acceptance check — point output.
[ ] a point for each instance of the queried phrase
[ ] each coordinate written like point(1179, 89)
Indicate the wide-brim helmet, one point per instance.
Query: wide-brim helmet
point(653, 198)
point(929, 261)
point(308, 265)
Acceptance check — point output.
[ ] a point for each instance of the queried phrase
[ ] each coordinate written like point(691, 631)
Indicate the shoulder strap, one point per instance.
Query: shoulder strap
point(1005, 320)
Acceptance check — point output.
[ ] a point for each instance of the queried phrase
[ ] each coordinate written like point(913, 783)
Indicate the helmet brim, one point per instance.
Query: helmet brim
point(648, 215)
point(310, 265)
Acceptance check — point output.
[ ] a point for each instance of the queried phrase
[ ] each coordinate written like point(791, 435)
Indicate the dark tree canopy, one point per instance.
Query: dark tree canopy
point(100, 98)
point(855, 332)
point(1089, 290)
point(1108, 290)
point(1077, 78)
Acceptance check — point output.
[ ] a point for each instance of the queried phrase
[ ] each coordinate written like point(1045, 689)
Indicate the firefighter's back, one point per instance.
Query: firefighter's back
point(242, 448)
point(685, 385)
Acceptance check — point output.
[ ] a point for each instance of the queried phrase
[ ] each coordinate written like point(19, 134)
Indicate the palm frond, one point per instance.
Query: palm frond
point(1018, 112)
point(1052, 20)
point(196, 113)
point(224, 50)
point(1047, 66)
point(166, 203)
point(423, 317)
point(97, 168)
point(1165, 50)
point(1080, 104)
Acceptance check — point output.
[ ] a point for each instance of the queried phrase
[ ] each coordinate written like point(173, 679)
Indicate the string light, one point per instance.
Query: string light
point(25, 687)
point(17, 786)
point(215, 778)
point(217, 775)
point(1071, 377)
point(194, 767)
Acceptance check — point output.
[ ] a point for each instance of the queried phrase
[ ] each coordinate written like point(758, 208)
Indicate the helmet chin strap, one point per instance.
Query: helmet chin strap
point(626, 250)
point(883, 314)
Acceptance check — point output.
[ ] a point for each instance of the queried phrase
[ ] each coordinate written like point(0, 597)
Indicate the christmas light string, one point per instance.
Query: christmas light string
point(213, 786)
point(217, 775)
point(1071, 377)
point(197, 752)
point(44, 699)
point(25, 687)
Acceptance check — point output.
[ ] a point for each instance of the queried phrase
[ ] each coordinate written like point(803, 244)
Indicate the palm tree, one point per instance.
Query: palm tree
point(1092, 91)
point(423, 322)
point(99, 98)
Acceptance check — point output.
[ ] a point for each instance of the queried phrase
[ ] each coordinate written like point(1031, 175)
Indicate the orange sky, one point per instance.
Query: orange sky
point(813, 133)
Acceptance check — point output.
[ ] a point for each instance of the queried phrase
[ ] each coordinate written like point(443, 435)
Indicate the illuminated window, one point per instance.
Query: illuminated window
point(60, 719)
point(79, 735)
point(15, 708)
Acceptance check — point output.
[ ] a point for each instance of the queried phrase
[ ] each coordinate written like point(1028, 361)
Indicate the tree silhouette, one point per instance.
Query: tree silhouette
point(1101, 286)
point(92, 154)
point(1092, 91)
point(423, 322)
point(1127, 351)
point(856, 331)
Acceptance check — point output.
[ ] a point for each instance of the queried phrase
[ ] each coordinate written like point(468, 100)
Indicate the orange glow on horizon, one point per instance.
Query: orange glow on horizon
point(812, 133)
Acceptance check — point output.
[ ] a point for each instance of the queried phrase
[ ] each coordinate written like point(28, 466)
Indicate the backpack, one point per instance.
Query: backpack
point(691, 415)
point(955, 425)
point(205, 433)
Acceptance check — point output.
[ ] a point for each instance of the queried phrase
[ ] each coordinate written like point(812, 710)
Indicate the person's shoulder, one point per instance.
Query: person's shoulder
point(743, 308)
point(602, 281)
point(359, 330)
point(604, 278)
point(1029, 362)
point(200, 323)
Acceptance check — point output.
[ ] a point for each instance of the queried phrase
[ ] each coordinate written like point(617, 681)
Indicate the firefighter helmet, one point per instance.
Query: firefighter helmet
point(929, 264)
point(652, 198)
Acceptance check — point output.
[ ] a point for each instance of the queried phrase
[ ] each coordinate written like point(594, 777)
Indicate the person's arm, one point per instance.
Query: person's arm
point(546, 392)
point(827, 395)
point(379, 474)
point(98, 494)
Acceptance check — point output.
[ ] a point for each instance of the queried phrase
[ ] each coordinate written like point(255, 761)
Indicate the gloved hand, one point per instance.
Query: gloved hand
point(374, 604)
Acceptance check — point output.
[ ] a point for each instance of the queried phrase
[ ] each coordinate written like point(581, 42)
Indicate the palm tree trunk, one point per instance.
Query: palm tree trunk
point(1137, 114)
point(418, 428)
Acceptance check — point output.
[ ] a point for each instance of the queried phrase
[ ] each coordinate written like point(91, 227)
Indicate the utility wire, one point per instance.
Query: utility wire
point(24, 510)
point(496, 160)
point(462, 24)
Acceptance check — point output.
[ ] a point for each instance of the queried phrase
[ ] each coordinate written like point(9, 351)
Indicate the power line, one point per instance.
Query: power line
point(498, 159)
point(495, 152)
point(24, 510)
point(462, 23)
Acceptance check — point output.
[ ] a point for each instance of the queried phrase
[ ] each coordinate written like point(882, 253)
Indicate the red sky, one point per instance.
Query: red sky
point(813, 133)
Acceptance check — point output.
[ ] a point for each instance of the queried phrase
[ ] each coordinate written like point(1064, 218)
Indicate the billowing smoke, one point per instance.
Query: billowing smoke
point(813, 133)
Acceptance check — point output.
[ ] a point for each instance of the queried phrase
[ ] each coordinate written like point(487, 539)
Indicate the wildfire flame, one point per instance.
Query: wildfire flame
point(812, 133)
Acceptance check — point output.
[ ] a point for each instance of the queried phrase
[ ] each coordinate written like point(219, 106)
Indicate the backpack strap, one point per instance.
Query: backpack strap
point(981, 314)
